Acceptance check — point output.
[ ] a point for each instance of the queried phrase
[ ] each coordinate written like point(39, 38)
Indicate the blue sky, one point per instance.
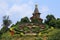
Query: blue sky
point(17, 9)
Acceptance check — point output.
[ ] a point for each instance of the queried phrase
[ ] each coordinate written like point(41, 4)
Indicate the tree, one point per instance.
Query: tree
point(58, 23)
point(6, 23)
point(25, 20)
point(50, 20)
point(52, 23)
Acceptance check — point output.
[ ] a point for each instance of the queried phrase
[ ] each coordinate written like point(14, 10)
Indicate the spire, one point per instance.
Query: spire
point(36, 9)
point(36, 6)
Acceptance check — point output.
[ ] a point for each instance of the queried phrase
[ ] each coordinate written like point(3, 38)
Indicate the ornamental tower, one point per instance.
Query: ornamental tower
point(36, 15)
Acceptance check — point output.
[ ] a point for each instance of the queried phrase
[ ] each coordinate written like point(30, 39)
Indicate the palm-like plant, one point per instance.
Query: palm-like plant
point(6, 23)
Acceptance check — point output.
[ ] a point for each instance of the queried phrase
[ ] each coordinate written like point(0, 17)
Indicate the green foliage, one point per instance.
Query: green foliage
point(6, 23)
point(35, 20)
point(38, 38)
point(16, 26)
point(51, 33)
point(6, 36)
point(58, 23)
point(26, 29)
point(35, 29)
point(54, 35)
point(25, 20)
point(52, 23)
point(0, 34)
point(4, 29)
point(49, 18)
point(21, 34)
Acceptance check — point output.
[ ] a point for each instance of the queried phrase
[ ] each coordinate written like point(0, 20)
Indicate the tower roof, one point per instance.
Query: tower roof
point(36, 9)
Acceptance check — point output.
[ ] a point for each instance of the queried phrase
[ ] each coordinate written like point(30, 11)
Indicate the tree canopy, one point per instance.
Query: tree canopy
point(25, 20)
